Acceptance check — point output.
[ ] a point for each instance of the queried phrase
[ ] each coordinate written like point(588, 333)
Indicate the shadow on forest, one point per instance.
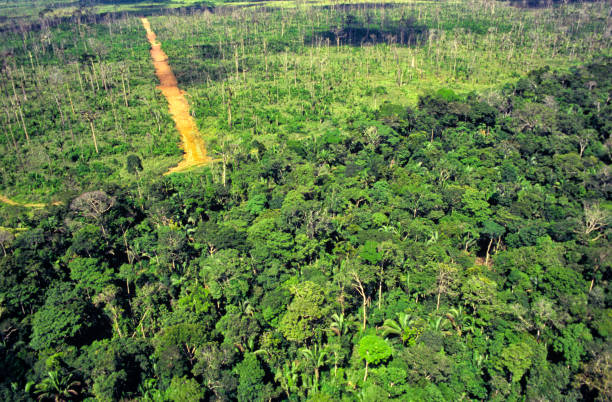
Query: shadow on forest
point(352, 33)
point(361, 6)
point(543, 3)
point(337, 7)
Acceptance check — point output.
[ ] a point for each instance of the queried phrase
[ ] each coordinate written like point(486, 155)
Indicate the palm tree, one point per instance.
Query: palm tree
point(441, 324)
point(57, 387)
point(478, 359)
point(433, 239)
point(388, 229)
point(403, 327)
point(468, 240)
point(471, 326)
point(149, 392)
point(339, 325)
point(316, 357)
point(457, 316)
point(246, 308)
point(287, 377)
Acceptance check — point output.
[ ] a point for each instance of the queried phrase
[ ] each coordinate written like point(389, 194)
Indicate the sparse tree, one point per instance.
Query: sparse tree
point(595, 220)
point(93, 205)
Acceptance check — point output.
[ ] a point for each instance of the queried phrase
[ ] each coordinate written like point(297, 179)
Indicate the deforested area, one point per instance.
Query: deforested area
point(305, 200)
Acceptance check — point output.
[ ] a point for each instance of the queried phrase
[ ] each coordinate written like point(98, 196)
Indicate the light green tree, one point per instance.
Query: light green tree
point(517, 358)
point(373, 350)
point(184, 389)
point(304, 313)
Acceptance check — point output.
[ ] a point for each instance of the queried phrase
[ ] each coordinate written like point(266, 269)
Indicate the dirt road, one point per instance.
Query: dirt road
point(193, 145)
point(26, 204)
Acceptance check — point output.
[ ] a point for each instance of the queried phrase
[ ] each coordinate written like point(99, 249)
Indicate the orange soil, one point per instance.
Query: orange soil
point(27, 204)
point(195, 151)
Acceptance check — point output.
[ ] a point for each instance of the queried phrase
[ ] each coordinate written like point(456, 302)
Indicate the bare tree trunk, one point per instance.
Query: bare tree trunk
point(138, 184)
point(78, 74)
point(95, 77)
point(70, 99)
point(124, 93)
point(10, 126)
point(359, 288)
point(236, 62)
point(22, 85)
point(593, 280)
point(93, 134)
point(229, 107)
point(59, 107)
point(116, 321)
point(224, 172)
point(488, 249)
point(20, 115)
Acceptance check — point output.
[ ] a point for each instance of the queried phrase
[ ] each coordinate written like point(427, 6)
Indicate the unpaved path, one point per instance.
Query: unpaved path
point(26, 204)
point(193, 145)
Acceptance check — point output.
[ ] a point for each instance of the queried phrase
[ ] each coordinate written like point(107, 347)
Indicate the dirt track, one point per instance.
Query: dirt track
point(193, 145)
point(26, 204)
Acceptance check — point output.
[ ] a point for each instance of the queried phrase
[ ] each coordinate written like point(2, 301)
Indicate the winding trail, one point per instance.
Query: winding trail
point(8, 201)
point(193, 145)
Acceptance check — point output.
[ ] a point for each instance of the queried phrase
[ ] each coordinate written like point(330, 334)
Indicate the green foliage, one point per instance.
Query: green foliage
point(492, 229)
point(374, 349)
point(517, 358)
point(90, 274)
point(369, 252)
point(116, 366)
point(66, 317)
point(183, 389)
point(256, 204)
point(475, 204)
point(305, 311)
point(250, 379)
point(423, 361)
point(133, 164)
point(175, 349)
point(571, 343)
point(441, 234)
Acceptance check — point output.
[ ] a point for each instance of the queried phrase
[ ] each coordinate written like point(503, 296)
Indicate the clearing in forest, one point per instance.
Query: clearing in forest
point(193, 145)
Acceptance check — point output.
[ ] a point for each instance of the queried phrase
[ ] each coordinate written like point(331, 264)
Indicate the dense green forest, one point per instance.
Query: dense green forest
point(407, 201)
